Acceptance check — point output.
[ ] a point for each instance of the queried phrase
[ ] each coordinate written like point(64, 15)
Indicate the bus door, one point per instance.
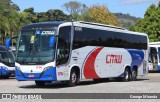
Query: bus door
point(153, 60)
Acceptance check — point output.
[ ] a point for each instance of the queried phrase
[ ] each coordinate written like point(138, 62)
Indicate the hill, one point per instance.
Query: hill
point(126, 19)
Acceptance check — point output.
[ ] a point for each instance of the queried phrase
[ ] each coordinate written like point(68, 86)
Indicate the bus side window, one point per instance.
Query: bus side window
point(64, 43)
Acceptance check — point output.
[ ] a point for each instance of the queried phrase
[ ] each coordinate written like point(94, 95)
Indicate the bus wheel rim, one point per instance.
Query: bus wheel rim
point(127, 75)
point(73, 78)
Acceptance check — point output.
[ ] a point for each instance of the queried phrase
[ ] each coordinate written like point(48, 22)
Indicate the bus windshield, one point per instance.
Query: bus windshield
point(7, 58)
point(33, 47)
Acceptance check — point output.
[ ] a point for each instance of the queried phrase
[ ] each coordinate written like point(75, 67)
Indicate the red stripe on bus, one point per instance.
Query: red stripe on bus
point(89, 69)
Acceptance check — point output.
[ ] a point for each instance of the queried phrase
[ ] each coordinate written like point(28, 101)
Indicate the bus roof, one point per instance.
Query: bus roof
point(102, 27)
point(2, 48)
point(42, 25)
point(53, 24)
point(154, 43)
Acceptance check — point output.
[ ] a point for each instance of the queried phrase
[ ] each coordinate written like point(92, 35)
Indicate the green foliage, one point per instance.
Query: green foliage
point(99, 14)
point(150, 24)
point(31, 15)
point(56, 15)
point(11, 20)
point(8, 18)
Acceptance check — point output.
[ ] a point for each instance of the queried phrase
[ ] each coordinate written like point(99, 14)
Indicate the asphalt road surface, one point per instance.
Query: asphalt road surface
point(147, 84)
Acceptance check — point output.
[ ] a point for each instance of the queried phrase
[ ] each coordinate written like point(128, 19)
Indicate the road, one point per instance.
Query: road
point(147, 84)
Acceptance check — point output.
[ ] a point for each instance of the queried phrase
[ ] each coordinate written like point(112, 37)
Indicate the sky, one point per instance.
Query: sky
point(135, 8)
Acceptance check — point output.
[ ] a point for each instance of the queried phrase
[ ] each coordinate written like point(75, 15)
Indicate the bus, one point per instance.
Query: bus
point(154, 55)
point(75, 51)
point(7, 63)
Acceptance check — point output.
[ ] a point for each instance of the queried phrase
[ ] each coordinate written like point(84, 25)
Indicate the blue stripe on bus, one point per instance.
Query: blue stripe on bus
point(137, 57)
point(4, 72)
point(158, 68)
point(48, 75)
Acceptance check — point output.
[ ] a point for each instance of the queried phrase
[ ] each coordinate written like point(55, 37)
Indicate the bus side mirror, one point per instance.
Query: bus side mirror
point(7, 42)
point(52, 41)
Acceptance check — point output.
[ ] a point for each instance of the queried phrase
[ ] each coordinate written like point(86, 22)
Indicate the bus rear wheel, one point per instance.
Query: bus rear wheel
point(74, 79)
point(134, 74)
point(127, 75)
point(40, 83)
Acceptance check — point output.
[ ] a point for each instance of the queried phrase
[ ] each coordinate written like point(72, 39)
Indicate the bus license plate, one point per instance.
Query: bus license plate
point(31, 75)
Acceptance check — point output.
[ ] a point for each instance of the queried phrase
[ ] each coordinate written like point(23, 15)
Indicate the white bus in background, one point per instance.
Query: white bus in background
point(154, 55)
point(74, 51)
point(7, 63)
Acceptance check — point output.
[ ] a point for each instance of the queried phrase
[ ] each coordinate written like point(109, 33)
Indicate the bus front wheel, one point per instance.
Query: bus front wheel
point(6, 77)
point(73, 79)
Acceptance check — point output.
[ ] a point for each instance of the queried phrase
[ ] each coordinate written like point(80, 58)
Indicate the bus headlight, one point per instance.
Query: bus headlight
point(46, 68)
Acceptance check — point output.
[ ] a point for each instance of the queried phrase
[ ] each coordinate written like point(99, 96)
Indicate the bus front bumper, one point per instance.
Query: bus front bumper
point(48, 75)
point(5, 72)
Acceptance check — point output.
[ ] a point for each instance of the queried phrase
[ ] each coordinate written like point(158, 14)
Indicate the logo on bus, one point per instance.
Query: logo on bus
point(38, 67)
point(115, 59)
point(48, 32)
point(78, 28)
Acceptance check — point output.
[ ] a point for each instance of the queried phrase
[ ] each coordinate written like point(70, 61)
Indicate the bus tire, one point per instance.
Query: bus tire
point(40, 83)
point(73, 79)
point(6, 77)
point(127, 75)
point(134, 74)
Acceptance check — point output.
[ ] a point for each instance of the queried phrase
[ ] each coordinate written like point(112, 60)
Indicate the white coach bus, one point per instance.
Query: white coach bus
point(74, 51)
point(154, 55)
point(7, 63)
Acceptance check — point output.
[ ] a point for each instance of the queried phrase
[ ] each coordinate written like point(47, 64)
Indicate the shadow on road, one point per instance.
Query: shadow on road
point(142, 79)
point(10, 78)
point(57, 85)
point(154, 72)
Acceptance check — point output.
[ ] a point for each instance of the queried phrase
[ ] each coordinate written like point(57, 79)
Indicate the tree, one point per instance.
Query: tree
point(41, 16)
point(150, 24)
point(10, 20)
point(7, 11)
point(31, 15)
point(10, 4)
point(99, 14)
point(74, 7)
point(56, 15)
